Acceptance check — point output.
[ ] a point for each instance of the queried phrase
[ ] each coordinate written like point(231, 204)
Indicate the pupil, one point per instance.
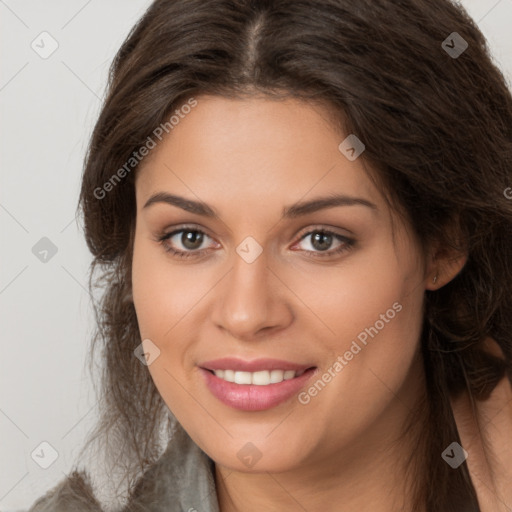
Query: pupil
point(192, 239)
point(324, 241)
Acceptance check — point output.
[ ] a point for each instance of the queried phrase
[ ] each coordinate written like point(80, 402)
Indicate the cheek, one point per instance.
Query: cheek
point(169, 303)
point(163, 293)
point(162, 297)
point(368, 288)
point(370, 314)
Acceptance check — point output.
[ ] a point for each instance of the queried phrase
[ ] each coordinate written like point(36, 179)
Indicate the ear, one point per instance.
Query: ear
point(444, 263)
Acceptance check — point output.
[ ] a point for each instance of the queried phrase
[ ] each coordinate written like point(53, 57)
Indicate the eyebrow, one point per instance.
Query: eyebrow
point(289, 212)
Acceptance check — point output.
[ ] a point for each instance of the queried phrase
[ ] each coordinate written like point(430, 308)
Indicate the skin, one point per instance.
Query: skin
point(485, 435)
point(248, 159)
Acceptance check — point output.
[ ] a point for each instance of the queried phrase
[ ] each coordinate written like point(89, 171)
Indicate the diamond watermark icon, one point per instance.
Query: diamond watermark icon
point(454, 455)
point(147, 352)
point(249, 454)
point(454, 45)
point(352, 147)
point(44, 250)
point(249, 249)
point(44, 455)
point(44, 45)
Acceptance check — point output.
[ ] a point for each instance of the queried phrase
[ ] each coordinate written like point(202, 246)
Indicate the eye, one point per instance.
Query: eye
point(321, 240)
point(188, 242)
point(184, 242)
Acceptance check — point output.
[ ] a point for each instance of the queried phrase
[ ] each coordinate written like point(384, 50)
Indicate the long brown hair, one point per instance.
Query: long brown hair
point(438, 134)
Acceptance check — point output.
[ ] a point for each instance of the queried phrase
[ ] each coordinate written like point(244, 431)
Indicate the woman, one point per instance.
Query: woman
point(301, 215)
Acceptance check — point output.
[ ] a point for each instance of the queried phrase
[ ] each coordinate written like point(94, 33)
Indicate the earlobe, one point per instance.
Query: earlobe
point(431, 282)
point(444, 269)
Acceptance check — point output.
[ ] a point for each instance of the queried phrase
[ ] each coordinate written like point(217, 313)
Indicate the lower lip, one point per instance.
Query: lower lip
point(250, 397)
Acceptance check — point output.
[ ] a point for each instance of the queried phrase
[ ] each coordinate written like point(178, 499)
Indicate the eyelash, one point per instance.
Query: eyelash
point(347, 244)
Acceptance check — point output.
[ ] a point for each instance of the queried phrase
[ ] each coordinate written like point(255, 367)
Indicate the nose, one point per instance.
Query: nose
point(251, 301)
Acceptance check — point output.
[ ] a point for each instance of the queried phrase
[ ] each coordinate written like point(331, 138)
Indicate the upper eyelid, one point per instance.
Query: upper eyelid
point(303, 231)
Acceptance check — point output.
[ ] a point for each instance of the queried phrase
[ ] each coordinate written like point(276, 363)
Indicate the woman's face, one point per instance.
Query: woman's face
point(275, 282)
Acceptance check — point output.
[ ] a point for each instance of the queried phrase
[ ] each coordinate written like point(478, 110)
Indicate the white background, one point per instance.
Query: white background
point(48, 108)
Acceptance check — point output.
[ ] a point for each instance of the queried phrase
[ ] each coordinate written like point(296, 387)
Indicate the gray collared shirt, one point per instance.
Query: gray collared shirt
point(182, 480)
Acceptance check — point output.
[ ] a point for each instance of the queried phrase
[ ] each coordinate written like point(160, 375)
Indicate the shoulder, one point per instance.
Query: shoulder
point(487, 438)
point(182, 479)
point(73, 493)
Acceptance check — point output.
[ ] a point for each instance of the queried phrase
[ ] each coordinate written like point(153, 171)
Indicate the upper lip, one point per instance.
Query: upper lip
point(232, 363)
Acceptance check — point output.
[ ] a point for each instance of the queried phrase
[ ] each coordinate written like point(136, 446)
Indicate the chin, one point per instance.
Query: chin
point(258, 457)
point(269, 464)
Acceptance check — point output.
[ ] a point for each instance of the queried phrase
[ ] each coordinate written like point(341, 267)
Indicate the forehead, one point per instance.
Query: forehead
point(233, 149)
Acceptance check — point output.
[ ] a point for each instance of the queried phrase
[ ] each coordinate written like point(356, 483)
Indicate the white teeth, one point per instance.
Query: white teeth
point(243, 377)
point(229, 375)
point(261, 378)
point(276, 376)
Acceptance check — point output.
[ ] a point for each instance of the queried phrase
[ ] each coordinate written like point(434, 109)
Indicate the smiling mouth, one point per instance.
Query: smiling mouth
point(258, 390)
